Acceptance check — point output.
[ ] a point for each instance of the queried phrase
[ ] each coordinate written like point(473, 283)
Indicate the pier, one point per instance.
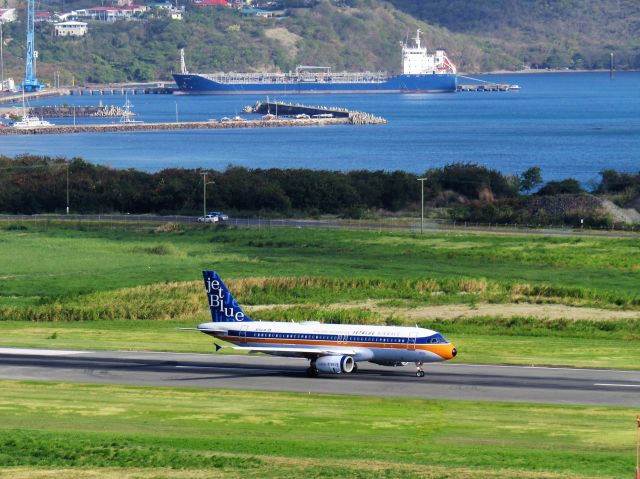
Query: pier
point(102, 90)
point(80, 111)
point(47, 93)
point(199, 125)
point(112, 91)
point(299, 111)
point(486, 87)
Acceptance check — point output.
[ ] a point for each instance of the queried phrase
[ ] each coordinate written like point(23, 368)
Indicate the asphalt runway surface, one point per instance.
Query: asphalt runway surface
point(266, 373)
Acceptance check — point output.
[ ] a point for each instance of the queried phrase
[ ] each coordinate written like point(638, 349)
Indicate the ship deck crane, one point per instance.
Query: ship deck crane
point(30, 82)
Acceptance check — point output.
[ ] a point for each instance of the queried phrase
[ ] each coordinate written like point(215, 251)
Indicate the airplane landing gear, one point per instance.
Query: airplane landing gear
point(419, 372)
point(312, 372)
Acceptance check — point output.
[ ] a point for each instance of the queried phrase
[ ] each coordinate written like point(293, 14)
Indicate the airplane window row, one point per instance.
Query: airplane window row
point(322, 337)
point(361, 339)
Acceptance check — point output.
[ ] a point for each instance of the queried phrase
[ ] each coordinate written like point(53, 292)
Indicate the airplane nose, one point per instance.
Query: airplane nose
point(454, 351)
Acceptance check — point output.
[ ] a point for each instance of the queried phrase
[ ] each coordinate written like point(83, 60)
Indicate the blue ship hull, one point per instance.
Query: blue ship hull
point(435, 83)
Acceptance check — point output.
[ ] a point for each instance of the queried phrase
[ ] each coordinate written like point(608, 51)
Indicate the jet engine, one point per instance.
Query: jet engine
point(390, 363)
point(335, 364)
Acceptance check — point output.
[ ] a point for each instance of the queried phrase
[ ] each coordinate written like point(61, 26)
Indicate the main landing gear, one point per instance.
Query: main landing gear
point(419, 372)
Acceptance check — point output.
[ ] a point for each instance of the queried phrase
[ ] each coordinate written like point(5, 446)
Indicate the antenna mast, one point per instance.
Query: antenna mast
point(183, 65)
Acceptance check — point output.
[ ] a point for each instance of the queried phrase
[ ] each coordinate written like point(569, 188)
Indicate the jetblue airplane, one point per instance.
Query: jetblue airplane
point(330, 348)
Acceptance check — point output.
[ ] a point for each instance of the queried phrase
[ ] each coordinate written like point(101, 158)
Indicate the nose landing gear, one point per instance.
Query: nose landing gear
point(419, 371)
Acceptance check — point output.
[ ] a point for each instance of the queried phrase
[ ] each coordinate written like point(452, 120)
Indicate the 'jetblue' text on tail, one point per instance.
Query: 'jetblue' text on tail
point(223, 307)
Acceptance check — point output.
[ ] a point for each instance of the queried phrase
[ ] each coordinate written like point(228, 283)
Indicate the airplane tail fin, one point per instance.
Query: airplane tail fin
point(222, 305)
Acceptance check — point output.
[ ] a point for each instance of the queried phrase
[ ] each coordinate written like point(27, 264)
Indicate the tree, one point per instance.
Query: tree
point(564, 187)
point(530, 179)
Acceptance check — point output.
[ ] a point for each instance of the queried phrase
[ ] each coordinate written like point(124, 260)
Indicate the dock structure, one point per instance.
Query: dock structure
point(296, 110)
point(123, 90)
point(486, 87)
point(79, 111)
point(199, 125)
point(45, 93)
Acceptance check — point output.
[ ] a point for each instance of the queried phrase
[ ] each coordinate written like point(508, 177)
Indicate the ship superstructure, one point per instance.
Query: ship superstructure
point(421, 72)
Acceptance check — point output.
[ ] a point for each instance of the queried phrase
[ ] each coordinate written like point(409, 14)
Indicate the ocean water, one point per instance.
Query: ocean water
point(568, 124)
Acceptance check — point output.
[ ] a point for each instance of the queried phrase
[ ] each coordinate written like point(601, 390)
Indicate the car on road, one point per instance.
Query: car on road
point(221, 216)
point(213, 217)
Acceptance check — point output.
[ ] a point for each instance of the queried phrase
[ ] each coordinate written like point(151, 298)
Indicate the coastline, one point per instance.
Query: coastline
point(543, 71)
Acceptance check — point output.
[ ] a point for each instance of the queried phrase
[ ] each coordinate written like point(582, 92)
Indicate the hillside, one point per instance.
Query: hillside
point(352, 34)
point(547, 34)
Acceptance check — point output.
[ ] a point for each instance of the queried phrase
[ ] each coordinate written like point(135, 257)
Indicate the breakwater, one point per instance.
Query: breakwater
point(299, 111)
point(200, 125)
point(66, 111)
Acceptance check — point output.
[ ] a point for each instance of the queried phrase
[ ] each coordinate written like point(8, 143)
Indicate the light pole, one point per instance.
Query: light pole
point(421, 180)
point(204, 192)
point(67, 164)
point(1, 58)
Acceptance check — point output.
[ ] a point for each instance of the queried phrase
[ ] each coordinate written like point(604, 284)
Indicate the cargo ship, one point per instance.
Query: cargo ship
point(422, 72)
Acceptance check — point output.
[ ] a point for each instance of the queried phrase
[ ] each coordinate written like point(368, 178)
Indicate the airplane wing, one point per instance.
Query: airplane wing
point(202, 330)
point(301, 352)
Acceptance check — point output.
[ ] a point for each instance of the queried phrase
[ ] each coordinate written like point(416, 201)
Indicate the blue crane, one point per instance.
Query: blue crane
point(30, 82)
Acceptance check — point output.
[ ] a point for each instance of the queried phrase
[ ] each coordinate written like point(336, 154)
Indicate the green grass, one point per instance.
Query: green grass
point(257, 434)
point(105, 286)
point(68, 260)
point(474, 346)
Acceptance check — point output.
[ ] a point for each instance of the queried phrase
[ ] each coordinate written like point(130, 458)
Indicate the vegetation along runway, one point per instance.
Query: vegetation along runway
point(569, 304)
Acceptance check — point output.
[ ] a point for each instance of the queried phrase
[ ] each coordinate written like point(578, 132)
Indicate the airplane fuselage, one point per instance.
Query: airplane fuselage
point(380, 344)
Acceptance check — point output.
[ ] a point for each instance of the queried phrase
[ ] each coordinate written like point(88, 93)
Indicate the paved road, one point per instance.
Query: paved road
point(429, 226)
point(443, 381)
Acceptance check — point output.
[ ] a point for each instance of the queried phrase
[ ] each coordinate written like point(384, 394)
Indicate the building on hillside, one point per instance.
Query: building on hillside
point(212, 3)
point(41, 17)
point(110, 14)
point(7, 15)
point(173, 12)
point(256, 12)
point(70, 29)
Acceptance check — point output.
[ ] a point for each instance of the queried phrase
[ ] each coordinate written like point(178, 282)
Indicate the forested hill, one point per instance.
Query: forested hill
point(543, 33)
point(345, 34)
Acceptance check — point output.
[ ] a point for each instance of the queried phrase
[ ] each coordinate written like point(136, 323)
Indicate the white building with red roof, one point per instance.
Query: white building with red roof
point(7, 15)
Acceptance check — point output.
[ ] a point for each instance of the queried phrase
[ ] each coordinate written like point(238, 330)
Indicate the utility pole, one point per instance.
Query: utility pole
point(421, 180)
point(67, 163)
point(204, 192)
point(1, 59)
point(611, 66)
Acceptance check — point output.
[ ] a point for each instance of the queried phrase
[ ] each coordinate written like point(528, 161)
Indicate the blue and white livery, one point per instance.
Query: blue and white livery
point(330, 348)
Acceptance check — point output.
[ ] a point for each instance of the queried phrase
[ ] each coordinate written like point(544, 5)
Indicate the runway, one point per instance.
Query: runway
point(265, 373)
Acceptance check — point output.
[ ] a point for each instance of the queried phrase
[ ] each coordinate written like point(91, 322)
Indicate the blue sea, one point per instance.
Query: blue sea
point(568, 124)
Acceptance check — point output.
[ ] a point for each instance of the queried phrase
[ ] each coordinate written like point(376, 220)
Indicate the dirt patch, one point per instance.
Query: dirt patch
point(622, 215)
point(279, 466)
point(286, 38)
point(509, 310)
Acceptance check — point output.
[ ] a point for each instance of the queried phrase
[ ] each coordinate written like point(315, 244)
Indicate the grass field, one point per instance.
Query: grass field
point(119, 431)
point(97, 286)
point(500, 298)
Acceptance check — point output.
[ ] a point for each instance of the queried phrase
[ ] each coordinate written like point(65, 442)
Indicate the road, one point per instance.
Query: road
point(429, 226)
point(442, 381)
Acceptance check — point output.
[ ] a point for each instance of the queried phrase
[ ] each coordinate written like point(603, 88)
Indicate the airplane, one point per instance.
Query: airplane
point(330, 348)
